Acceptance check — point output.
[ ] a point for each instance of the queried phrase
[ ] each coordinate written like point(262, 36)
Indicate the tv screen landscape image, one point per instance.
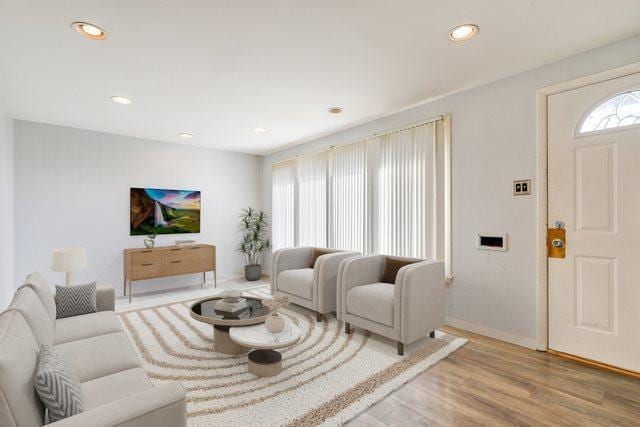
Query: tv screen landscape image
point(159, 211)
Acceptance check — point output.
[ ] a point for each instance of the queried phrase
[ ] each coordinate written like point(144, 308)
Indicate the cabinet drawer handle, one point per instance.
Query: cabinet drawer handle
point(147, 264)
point(175, 249)
point(194, 249)
point(175, 262)
point(145, 252)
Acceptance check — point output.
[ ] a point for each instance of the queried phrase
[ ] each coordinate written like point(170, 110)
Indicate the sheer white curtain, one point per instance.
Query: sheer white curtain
point(283, 205)
point(312, 200)
point(348, 199)
point(405, 192)
point(383, 195)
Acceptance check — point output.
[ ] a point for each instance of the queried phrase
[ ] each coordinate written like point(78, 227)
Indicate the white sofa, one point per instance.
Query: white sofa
point(116, 388)
point(305, 282)
point(404, 311)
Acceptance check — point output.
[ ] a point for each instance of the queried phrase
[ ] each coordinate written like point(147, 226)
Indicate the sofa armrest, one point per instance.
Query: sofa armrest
point(105, 298)
point(419, 299)
point(356, 271)
point(288, 259)
point(327, 273)
point(163, 406)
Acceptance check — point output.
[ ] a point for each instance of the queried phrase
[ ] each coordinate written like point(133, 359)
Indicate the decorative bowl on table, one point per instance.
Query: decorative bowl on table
point(231, 301)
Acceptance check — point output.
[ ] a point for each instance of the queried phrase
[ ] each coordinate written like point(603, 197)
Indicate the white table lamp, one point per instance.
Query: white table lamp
point(68, 260)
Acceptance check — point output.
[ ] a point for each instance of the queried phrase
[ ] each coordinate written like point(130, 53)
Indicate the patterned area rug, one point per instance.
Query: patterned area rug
point(328, 378)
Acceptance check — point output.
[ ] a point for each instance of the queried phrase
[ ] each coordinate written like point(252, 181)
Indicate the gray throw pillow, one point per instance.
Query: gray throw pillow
point(57, 385)
point(75, 300)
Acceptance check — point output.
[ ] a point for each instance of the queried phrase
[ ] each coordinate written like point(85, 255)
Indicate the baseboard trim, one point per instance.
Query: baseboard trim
point(531, 343)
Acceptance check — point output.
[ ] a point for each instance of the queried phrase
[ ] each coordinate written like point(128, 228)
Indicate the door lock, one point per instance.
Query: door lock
point(556, 240)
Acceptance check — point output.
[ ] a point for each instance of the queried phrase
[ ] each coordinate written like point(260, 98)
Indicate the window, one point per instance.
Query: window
point(406, 192)
point(386, 194)
point(312, 200)
point(618, 111)
point(348, 226)
point(282, 206)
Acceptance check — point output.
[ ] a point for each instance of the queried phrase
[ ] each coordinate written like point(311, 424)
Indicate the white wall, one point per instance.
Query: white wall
point(72, 189)
point(7, 281)
point(493, 143)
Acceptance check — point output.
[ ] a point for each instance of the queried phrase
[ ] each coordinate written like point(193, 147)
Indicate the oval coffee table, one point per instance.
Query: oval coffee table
point(265, 361)
point(204, 311)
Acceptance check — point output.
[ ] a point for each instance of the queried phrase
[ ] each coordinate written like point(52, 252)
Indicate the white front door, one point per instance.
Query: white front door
point(594, 189)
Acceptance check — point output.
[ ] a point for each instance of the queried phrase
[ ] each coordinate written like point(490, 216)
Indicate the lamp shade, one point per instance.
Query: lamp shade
point(69, 259)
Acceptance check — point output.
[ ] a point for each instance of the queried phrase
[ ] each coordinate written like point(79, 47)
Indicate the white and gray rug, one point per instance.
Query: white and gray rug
point(328, 378)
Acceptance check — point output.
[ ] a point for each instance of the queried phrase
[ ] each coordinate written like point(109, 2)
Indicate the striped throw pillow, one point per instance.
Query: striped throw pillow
point(75, 300)
point(57, 385)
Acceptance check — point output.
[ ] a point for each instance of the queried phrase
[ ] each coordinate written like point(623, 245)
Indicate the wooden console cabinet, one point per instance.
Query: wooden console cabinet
point(141, 264)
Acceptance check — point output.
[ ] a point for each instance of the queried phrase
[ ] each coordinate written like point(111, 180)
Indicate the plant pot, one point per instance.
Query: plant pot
point(274, 323)
point(149, 243)
point(252, 272)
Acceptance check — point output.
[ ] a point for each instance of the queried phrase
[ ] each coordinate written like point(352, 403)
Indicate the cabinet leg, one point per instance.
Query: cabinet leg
point(432, 334)
point(125, 286)
point(400, 349)
point(215, 279)
point(204, 278)
point(130, 291)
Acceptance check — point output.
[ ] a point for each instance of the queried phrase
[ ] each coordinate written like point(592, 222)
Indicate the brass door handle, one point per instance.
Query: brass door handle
point(556, 241)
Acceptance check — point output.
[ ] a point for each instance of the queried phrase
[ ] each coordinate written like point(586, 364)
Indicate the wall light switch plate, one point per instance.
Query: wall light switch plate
point(522, 187)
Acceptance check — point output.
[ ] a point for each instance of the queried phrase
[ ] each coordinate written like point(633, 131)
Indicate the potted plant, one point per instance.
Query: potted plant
point(254, 243)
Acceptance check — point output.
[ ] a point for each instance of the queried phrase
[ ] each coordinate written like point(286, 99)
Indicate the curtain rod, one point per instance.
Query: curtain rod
point(375, 135)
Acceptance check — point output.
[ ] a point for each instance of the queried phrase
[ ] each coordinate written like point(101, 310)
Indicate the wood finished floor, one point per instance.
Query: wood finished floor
point(489, 382)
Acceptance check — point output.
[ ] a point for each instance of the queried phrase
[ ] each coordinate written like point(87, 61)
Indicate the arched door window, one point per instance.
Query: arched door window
point(618, 111)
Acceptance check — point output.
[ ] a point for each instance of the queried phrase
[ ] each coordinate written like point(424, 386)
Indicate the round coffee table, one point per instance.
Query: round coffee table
point(204, 311)
point(265, 361)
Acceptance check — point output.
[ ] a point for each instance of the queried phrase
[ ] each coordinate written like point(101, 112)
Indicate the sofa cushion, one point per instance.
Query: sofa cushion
point(373, 302)
point(19, 402)
point(85, 326)
point(297, 282)
point(75, 300)
point(318, 252)
point(40, 286)
point(391, 267)
point(57, 385)
point(29, 305)
point(96, 357)
point(114, 387)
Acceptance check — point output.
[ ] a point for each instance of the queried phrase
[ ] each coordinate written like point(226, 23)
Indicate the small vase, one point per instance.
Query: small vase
point(274, 323)
point(149, 243)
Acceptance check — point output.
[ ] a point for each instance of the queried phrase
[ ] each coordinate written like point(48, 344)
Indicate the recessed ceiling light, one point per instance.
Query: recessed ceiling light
point(121, 100)
point(463, 32)
point(90, 31)
point(259, 130)
point(186, 135)
point(335, 110)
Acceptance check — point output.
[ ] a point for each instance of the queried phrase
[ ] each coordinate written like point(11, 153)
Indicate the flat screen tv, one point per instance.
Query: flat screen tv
point(160, 211)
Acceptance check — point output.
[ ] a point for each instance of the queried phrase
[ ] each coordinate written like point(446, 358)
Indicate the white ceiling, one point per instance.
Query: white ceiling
point(220, 68)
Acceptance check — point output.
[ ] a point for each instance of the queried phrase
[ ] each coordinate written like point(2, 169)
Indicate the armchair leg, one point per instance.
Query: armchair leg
point(400, 349)
point(347, 328)
point(318, 317)
point(432, 334)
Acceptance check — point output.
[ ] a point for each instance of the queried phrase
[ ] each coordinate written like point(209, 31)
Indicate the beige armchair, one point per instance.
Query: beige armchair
point(404, 309)
point(308, 276)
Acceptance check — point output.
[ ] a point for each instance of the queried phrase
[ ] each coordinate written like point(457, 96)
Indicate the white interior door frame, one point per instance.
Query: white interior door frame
point(542, 96)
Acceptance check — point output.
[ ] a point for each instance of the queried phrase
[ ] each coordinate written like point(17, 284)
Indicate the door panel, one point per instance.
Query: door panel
point(593, 183)
point(595, 188)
